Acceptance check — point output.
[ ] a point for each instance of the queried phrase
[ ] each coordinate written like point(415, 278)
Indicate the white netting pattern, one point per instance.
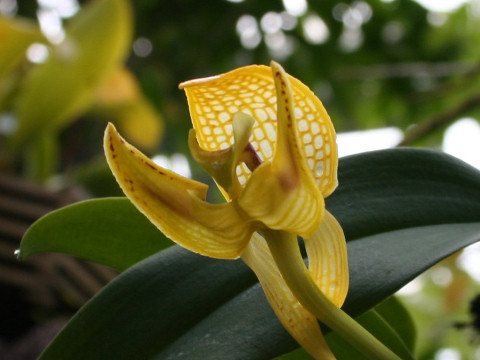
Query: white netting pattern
point(214, 102)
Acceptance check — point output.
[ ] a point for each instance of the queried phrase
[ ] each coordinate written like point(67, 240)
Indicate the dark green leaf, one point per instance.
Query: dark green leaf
point(151, 305)
point(389, 322)
point(375, 275)
point(400, 319)
point(382, 330)
point(398, 209)
point(399, 188)
point(108, 231)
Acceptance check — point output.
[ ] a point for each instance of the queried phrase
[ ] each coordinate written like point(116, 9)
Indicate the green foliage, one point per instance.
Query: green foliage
point(15, 37)
point(402, 211)
point(389, 322)
point(388, 202)
point(410, 66)
point(99, 41)
point(399, 319)
point(108, 231)
point(83, 72)
point(383, 329)
point(405, 70)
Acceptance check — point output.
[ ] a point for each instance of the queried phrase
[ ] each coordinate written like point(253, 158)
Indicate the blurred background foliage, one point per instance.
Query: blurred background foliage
point(374, 64)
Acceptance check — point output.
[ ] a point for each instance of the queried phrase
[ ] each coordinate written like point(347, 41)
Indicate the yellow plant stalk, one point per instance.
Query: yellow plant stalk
point(269, 144)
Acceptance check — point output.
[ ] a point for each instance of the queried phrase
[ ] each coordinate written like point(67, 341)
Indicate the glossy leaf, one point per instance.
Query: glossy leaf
point(383, 331)
point(178, 302)
point(399, 188)
point(108, 231)
point(389, 322)
point(250, 317)
point(388, 202)
point(400, 319)
point(383, 321)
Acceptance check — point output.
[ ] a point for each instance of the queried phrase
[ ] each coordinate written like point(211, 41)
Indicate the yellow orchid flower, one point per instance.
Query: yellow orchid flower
point(269, 144)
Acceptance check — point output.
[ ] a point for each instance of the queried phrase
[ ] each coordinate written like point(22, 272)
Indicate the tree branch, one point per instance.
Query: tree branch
point(409, 69)
point(427, 127)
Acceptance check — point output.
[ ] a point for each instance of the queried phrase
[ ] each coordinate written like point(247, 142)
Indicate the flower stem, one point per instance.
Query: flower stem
point(286, 252)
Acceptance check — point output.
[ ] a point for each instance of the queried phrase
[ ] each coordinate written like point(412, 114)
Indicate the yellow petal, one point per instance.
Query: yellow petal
point(215, 100)
point(327, 258)
point(176, 204)
point(267, 199)
point(302, 325)
point(282, 193)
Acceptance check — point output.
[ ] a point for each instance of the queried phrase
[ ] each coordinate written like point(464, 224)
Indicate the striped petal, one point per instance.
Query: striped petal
point(327, 258)
point(282, 193)
point(302, 325)
point(176, 204)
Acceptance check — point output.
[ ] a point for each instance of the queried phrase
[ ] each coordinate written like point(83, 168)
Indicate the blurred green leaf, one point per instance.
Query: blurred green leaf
point(402, 211)
point(95, 176)
point(109, 231)
point(53, 93)
point(41, 156)
point(298, 354)
point(16, 35)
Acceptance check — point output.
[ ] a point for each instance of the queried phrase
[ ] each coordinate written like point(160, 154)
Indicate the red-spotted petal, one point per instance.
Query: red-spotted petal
point(176, 204)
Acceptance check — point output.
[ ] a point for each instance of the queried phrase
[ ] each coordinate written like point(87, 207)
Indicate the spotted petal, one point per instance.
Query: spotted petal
point(214, 101)
point(176, 204)
point(302, 325)
point(282, 193)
